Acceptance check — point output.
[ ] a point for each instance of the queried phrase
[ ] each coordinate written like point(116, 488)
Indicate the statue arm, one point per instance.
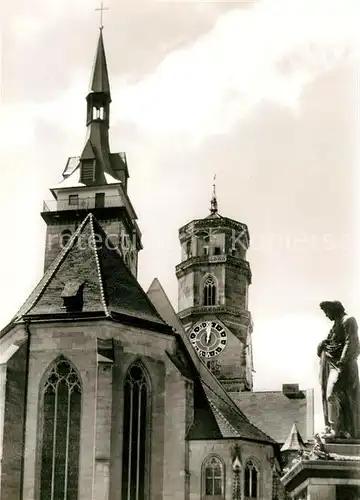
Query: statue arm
point(351, 345)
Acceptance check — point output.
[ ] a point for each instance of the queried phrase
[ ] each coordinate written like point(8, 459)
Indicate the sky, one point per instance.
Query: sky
point(262, 93)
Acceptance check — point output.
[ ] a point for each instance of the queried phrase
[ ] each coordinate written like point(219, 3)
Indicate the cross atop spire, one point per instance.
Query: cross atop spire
point(213, 203)
point(101, 9)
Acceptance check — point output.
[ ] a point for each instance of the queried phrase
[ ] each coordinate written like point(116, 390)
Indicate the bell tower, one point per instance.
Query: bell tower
point(213, 284)
point(96, 181)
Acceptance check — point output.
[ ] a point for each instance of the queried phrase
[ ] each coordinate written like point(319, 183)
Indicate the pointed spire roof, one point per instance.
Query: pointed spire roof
point(100, 79)
point(294, 441)
point(89, 260)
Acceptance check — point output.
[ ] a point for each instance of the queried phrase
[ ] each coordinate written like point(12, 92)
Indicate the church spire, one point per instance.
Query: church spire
point(95, 158)
point(100, 79)
point(213, 203)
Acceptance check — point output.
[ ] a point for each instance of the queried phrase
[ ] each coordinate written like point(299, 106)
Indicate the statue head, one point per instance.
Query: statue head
point(333, 309)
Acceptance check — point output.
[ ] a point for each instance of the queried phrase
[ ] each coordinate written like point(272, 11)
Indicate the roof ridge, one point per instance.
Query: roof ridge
point(98, 267)
point(234, 408)
point(220, 415)
point(51, 270)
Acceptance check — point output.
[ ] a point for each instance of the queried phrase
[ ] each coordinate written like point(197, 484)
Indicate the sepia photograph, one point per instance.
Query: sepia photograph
point(179, 259)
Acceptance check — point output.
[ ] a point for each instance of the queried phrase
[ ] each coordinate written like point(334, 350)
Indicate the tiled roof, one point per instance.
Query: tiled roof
point(233, 421)
point(294, 441)
point(109, 286)
point(212, 403)
point(263, 410)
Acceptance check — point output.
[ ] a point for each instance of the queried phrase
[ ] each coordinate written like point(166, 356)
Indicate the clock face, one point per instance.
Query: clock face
point(208, 338)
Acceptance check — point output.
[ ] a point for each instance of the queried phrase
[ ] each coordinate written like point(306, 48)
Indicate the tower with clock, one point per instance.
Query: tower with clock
point(213, 283)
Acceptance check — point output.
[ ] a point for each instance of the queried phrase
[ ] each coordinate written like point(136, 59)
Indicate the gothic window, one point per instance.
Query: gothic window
point(209, 291)
point(135, 440)
point(60, 433)
point(213, 479)
point(65, 237)
point(251, 481)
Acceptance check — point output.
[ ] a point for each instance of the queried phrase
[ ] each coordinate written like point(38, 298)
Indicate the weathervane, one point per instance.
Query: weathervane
point(214, 205)
point(101, 9)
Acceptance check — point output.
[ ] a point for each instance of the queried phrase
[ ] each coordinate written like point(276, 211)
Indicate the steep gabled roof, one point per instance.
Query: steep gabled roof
point(108, 285)
point(225, 419)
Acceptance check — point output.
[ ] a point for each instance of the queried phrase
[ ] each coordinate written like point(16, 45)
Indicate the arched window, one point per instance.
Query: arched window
point(251, 480)
point(213, 479)
point(60, 433)
point(209, 291)
point(135, 437)
point(65, 237)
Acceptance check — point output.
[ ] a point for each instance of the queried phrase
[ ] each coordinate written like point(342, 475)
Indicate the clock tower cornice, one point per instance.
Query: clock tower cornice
point(195, 313)
point(242, 265)
point(199, 225)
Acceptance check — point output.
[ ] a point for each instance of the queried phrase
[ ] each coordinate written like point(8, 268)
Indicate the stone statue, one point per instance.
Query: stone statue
point(339, 375)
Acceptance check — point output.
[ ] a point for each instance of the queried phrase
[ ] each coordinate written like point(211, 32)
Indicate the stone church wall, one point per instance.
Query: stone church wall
point(13, 431)
point(223, 449)
point(102, 382)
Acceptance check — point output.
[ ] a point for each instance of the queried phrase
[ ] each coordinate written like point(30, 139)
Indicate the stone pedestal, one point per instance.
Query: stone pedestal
point(336, 477)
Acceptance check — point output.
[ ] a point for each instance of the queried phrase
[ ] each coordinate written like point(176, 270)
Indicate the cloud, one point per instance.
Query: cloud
point(270, 52)
point(30, 23)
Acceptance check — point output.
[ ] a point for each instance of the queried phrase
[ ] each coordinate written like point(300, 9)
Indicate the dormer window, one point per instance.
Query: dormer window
point(65, 237)
point(72, 296)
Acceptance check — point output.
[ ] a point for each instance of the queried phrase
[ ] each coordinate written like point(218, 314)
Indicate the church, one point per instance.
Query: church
point(106, 392)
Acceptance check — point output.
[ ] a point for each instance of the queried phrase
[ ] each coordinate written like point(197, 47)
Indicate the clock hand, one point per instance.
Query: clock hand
point(208, 333)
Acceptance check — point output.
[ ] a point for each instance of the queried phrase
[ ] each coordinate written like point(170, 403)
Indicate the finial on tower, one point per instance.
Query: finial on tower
point(101, 9)
point(214, 205)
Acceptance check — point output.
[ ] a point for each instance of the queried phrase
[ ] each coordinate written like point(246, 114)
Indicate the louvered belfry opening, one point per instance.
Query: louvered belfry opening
point(136, 412)
point(88, 171)
point(61, 433)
